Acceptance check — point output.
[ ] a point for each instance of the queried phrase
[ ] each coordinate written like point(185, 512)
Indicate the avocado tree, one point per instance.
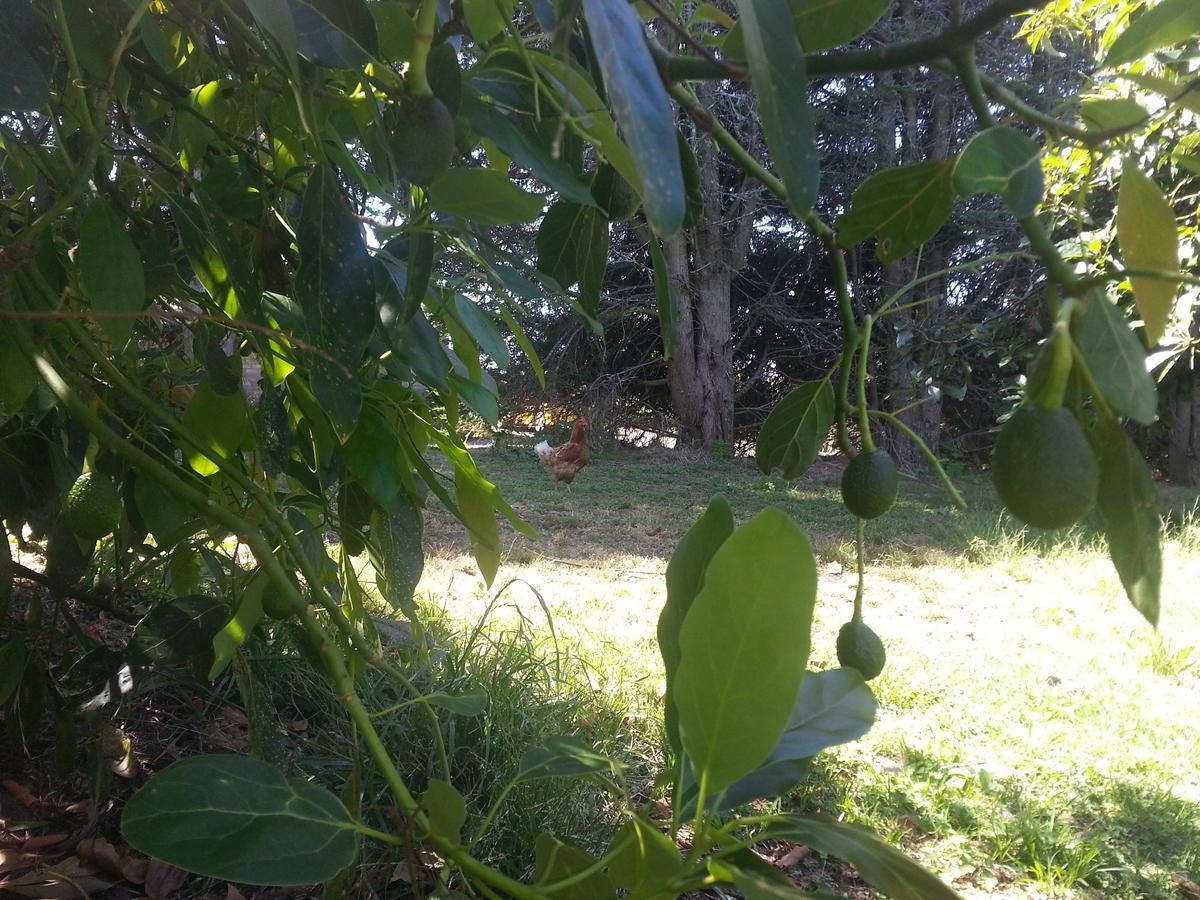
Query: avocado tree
point(197, 190)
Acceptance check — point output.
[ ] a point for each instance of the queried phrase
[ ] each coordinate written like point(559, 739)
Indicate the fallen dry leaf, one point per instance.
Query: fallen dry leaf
point(1189, 890)
point(20, 793)
point(121, 862)
point(232, 893)
point(162, 880)
point(793, 856)
point(69, 878)
point(40, 841)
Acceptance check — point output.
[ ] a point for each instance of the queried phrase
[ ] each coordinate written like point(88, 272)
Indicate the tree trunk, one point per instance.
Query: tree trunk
point(1183, 456)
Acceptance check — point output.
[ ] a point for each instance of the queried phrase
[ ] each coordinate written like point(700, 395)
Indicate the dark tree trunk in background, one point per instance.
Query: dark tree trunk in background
point(702, 264)
point(1183, 454)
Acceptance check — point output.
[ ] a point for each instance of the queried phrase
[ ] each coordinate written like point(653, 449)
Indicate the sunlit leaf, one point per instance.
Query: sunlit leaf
point(1117, 360)
point(902, 207)
point(1002, 161)
point(484, 196)
point(1162, 25)
point(1147, 234)
point(794, 432)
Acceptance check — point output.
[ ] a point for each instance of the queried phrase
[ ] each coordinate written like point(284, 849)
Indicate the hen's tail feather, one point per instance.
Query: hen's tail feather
point(543, 450)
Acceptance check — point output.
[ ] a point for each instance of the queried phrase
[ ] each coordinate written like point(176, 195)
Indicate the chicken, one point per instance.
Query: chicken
point(565, 461)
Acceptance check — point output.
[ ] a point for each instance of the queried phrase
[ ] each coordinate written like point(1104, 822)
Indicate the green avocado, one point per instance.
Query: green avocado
point(422, 139)
point(869, 484)
point(860, 648)
point(1043, 467)
point(93, 506)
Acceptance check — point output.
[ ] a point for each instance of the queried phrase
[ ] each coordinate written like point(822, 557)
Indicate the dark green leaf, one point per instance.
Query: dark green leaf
point(485, 197)
point(481, 327)
point(398, 531)
point(1128, 502)
point(516, 134)
point(395, 28)
point(446, 808)
point(639, 101)
point(757, 884)
point(776, 66)
point(335, 287)
point(744, 645)
point(902, 207)
point(12, 666)
point(275, 17)
point(664, 297)
point(1002, 161)
point(177, 629)
point(1166, 24)
point(486, 18)
point(338, 34)
point(1148, 237)
point(26, 55)
point(822, 24)
point(563, 757)
point(685, 577)
point(480, 519)
point(1116, 359)
point(572, 246)
point(18, 378)
point(794, 432)
point(222, 424)
point(642, 859)
point(373, 456)
point(880, 865)
point(556, 860)
point(239, 819)
point(110, 269)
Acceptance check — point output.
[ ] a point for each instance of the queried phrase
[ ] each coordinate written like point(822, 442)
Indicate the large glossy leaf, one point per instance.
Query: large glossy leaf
point(335, 287)
point(822, 24)
point(642, 859)
point(639, 100)
point(572, 246)
point(776, 68)
point(446, 808)
point(1112, 113)
point(834, 707)
point(794, 432)
point(249, 613)
point(685, 577)
point(516, 134)
point(1116, 359)
point(372, 455)
point(480, 518)
point(557, 860)
point(334, 33)
point(902, 207)
point(1147, 233)
point(110, 269)
point(218, 261)
point(744, 645)
point(484, 196)
point(275, 17)
point(222, 424)
point(239, 819)
point(481, 327)
point(177, 629)
point(1002, 161)
point(26, 56)
point(882, 866)
point(1128, 503)
point(398, 531)
point(487, 18)
point(1166, 24)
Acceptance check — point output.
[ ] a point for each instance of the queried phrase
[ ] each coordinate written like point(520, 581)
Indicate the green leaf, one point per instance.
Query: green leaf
point(395, 28)
point(481, 328)
point(902, 207)
point(337, 34)
point(639, 101)
point(563, 757)
point(1174, 90)
point(221, 422)
point(556, 860)
point(110, 269)
point(685, 577)
point(1112, 113)
point(1166, 24)
point(572, 246)
point(446, 808)
point(1148, 237)
point(249, 613)
point(12, 666)
point(1128, 502)
point(26, 57)
point(372, 455)
point(515, 132)
point(642, 859)
point(486, 18)
point(470, 704)
point(1002, 161)
point(18, 378)
point(755, 884)
point(164, 516)
point(744, 645)
point(485, 197)
point(776, 67)
point(822, 24)
point(664, 297)
point(398, 533)
point(878, 863)
point(335, 286)
point(275, 17)
point(480, 519)
point(794, 432)
point(177, 629)
point(707, 12)
point(239, 819)
point(1116, 359)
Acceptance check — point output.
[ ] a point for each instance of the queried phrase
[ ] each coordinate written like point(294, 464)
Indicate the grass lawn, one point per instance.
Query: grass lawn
point(1035, 736)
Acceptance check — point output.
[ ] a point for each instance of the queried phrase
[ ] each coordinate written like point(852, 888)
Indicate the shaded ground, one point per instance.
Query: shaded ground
point(1036, 737)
